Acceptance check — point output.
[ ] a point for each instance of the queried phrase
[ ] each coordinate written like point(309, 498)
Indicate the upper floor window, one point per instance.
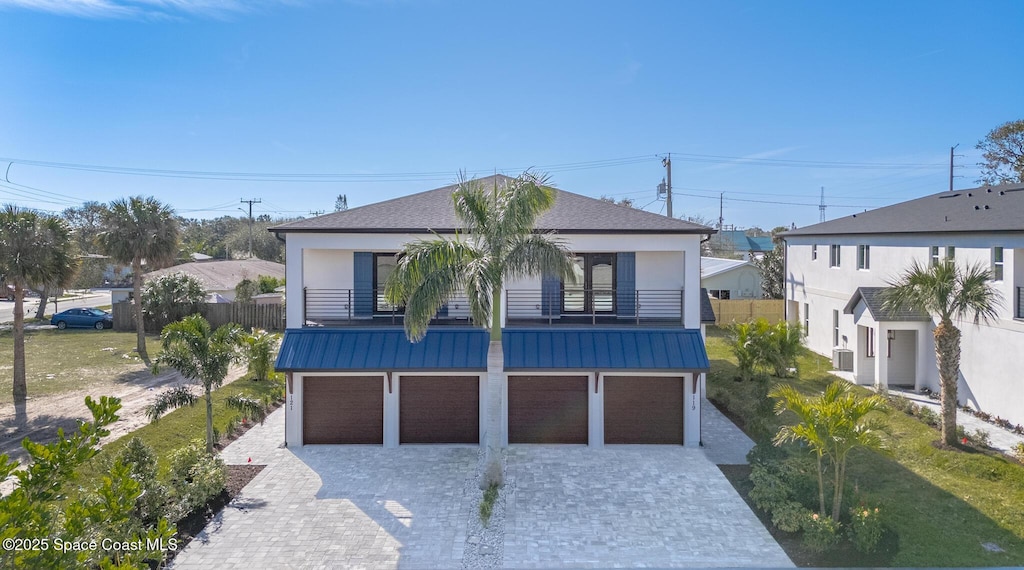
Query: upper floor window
point(933, 255)
point(997, 264)
point(720, 294)
point(863, 257)
point(814, 252)
point(807, 319)
point(383, 265)
point(833, 255)
point(950, 252)
point(835, 327)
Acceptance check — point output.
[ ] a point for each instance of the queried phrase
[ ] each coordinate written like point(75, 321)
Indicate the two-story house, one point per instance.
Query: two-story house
point(835, 271)
point(616, 357)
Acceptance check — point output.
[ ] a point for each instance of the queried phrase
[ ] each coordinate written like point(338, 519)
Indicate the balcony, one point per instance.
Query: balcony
point(527, 307)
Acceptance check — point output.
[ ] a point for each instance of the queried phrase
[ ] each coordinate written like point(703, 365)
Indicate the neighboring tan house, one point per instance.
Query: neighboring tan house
point(617, 358)
point(730, 278)
point(219, 277)
point(835, 272)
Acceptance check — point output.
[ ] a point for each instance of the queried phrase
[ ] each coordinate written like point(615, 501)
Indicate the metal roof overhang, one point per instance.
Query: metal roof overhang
point(526, 349)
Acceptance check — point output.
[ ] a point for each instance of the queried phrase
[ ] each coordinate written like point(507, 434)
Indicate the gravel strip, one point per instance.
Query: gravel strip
point(485, 545)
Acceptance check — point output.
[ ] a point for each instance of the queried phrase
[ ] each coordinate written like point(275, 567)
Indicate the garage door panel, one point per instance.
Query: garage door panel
point(643, 409)
point(547, 409)
point(439, 409)
point(342, 409)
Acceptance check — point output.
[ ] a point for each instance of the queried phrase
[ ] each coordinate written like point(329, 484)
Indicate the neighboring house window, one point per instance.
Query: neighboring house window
point(814, 252)
point(950, 252)
point(835, 327)
point(807, 319)
point(383, 265)
point(594, 290)
point(934, 255)
point(997, 264)
point(863, 257)
point(833, 255)
point(720, 294)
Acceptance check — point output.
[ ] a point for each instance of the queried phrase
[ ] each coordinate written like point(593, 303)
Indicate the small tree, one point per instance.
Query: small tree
point(170, 297)
point(268, 283)
point(831, 424)
point(1003, 151)
point(246, 290)
point(259, 347)
point(784, 344)
point(773, 281)
point(750, 343)
point(201, 355)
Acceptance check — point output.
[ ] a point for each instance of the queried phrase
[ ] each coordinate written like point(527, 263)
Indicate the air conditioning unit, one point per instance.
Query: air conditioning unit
point(842, 359)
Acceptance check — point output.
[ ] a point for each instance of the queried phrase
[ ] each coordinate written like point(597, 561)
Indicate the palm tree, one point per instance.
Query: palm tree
point(499, 243)
point(946, 292)
point(139, 229)
point(831, 424)
point(201, 355)
point(35, 250)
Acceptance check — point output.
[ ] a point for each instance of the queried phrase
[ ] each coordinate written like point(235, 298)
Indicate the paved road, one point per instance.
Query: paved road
point(93, 299)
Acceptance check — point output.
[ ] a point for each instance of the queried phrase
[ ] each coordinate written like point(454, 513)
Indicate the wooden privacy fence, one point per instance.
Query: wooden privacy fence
point(246, 315)
point(742, 310)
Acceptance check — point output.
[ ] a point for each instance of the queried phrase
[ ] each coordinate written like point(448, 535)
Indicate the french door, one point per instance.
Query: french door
point(594, 290)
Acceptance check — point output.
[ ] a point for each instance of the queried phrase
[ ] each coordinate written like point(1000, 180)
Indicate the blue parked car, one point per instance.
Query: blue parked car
point(84, 318)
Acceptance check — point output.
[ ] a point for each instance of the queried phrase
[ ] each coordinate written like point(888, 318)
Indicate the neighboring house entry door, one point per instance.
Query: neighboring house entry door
point(643, 409)
point(547, 409)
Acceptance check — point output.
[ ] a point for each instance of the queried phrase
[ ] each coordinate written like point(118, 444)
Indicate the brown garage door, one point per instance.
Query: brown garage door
point(643, 409)
point(439, 409)
point(547, 409)
point(342, 409)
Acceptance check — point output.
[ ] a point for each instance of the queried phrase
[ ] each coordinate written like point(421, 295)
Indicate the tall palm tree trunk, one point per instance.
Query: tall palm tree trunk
point(209, 420)
point(140, 325)
point(947, 354)
point(44, 294)
point(20, 386)
point(494, 473)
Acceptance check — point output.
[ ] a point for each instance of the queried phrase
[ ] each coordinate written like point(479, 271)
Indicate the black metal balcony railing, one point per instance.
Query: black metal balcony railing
point(337, 307)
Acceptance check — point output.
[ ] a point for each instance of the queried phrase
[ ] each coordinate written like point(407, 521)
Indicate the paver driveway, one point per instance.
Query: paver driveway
point(366, 507)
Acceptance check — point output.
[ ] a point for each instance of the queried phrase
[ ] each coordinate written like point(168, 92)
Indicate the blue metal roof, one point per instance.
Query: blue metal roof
point(604, 349)
point(323, 349)
point(449, 348)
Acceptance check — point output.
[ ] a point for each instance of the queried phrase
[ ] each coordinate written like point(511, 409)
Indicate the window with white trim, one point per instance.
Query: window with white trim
point(814, 252)
point(863, 257)
point(835, 327)
point(833, 255)
point(807, 318)
point(933, 255)
point(997, 264)
point(950, 252)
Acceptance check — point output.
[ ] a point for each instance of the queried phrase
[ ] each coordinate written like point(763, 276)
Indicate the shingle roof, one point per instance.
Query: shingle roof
point(873, 298)
point(225, 274)
point(983, 209)
point(433, 211)
point(707, 310)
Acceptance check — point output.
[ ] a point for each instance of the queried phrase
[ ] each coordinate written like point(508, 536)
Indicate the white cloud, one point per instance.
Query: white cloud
point(140, 8)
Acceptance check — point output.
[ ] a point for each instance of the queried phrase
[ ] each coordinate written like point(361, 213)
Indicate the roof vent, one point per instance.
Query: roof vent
point(969, 194)
point(855, 215)
point(977, 207)
point(986, 206)
point(1002, 192)
point(988, 189)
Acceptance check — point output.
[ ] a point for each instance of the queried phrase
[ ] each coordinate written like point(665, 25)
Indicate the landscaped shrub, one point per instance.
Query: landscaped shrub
point(928, 416)
point(151, 505)
point(258, 348)
point(783, 346)
point(781, 488)
point(821, 533)
point(865, 528)
point(196, 477)
point(1018, 451)
point(790, 516)
point(980, 438)
point(487, 504)
point(763, 347)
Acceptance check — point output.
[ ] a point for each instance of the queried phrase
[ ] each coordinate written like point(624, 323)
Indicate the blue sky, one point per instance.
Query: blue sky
point(764, 101)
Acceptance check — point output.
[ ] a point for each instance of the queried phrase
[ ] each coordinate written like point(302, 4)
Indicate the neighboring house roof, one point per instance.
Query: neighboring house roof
point(982, 209)
point(873, 299)
point(433, 211)
point(710, 266)
point(741, 242)
point(383, 349)
point(458, 348)
point(196, 256)
point(223, 275)
point(707, 311)
point(607, 349)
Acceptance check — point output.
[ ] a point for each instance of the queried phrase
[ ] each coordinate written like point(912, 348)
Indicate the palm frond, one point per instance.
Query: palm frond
point(521, 202)
point(533, 255)
point(199, 353)
point(139, 228)
point(944, 290)
point(172, 399)
point(473, 206)
point(250, 408)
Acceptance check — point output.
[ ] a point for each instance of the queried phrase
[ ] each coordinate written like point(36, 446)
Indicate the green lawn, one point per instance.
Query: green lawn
point(59, 361)
point(943, 505)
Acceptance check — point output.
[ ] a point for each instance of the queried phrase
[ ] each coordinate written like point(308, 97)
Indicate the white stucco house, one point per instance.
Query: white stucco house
point(835, 271)
point(730, 278)
point(617, 358)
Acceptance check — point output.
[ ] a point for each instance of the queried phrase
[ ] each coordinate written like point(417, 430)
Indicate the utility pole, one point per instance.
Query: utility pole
point(821, 206)
point(951, 149)
point(721, 217)
point(251, 202)
point(667, 163)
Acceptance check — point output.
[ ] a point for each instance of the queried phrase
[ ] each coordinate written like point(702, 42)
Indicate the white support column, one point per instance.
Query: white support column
point(595, 401)
point(391, 383)
point(504, 409)
point(881, 357)
point(691, 411)
point(293, 411)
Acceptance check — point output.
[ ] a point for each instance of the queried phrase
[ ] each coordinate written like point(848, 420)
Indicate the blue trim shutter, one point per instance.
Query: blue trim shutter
point(550, 296)
point(362, 283)
point(625, 276)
